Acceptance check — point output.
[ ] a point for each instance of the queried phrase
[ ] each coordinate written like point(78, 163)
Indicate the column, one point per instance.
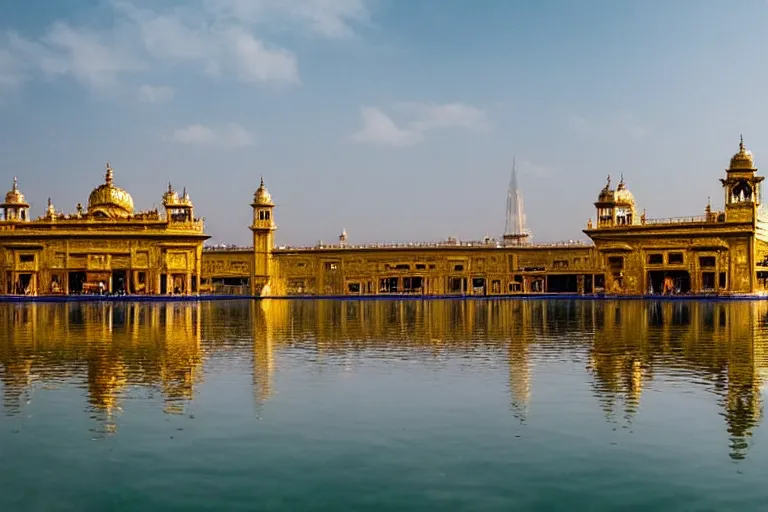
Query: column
point(188, 284)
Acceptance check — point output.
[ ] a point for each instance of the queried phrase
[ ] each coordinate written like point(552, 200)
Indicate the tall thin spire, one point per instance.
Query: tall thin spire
point(515, 225)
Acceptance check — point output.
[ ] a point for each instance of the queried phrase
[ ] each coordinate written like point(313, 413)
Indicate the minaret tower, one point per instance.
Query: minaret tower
point(515, 232)
point(742, 187)
point(263, 228)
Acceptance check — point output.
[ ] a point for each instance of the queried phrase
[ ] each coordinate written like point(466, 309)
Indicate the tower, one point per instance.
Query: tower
point(15, 207)
point(606, 206)
point(515, 232)
point(741, 186)
point(263, 228)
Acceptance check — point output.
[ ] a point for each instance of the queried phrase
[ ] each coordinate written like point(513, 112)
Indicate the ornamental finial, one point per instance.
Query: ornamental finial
point(741, 142)
point(15, 184)
point(110, 175)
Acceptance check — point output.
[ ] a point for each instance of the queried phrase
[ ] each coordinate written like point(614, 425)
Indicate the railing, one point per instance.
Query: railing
point(698, 219)
point(405, 245)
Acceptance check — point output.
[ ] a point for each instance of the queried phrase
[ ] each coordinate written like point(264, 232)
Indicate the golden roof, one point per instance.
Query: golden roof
point(623, 196)
point(743, 160)
point(14, 197)
point(110, 200)
point(262, 196)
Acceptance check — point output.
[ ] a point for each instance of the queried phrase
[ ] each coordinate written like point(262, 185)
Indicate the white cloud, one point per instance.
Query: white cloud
point(223, 38)
point(528, 168)
point(256, 63)
point(89, 57)
point(229, 136)
point(11, 73)
point(155, 93)
point(379, 128)
point(332, 19)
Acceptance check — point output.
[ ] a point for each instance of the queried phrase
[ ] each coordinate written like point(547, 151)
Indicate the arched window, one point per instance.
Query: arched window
point(741, 192)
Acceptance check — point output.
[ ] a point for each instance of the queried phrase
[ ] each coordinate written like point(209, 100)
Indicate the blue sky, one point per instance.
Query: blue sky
point(397, 120)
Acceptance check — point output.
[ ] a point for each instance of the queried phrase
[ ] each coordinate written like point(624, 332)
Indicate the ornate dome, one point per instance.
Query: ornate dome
point(14, 197)
point(170, 197)
point(623, 196)
point(743, 160)
point(262, 196)
point(607, 195)
point(109, 200)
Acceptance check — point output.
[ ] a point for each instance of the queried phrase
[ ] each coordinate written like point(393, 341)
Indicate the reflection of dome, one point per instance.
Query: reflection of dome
point(262, 195)
point(14, 197)
point(607, 194)
point(743, 160)
point(110, 201)
point(623, 196)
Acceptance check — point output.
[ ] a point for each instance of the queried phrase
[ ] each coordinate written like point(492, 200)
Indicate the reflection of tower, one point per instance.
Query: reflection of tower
point(743, 401)
point(515, 232)
point(180, 360)
point(619, 356)
point(263, 313)
point(519, 359)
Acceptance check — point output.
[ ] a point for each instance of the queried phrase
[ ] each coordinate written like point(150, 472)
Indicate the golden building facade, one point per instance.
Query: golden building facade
point(106, 247)
point(719, 252)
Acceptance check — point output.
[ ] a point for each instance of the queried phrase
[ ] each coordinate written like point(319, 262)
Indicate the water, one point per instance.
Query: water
point(383, 405)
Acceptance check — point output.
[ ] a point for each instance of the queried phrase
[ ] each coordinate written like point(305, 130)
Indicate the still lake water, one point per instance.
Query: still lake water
point(383, 405)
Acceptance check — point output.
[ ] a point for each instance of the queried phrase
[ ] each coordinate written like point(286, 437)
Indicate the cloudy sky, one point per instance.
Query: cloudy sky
point(397, 120)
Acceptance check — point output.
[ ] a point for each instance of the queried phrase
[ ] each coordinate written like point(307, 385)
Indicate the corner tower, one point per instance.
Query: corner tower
point(742, 187)
point(263, 228)
point(15, 207)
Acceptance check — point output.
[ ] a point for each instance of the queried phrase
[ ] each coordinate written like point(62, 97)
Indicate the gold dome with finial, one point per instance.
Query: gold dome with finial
point(622, 196)
point(170, 196)
point(743, 160)
point(262, 196)
point(607, 194)
point(14, 196)
point(110, 201)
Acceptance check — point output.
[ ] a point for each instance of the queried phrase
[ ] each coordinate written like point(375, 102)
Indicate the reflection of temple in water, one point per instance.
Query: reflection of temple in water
point(625, 342)
point(625, 345)
point(116, 345)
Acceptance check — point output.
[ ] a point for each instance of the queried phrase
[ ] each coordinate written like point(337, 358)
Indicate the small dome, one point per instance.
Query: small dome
point(607, 195)
point(170, 197)
point(262, 195)
point(14, 197)
point(623, 196)
point(110, 200)
point(743, 160)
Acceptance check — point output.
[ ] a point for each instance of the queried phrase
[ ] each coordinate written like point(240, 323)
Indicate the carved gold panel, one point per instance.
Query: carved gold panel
point(59, 260)
point(98, 262)
point(177, 261)
point(141, 260)
point(122, 261)
point(78, 261)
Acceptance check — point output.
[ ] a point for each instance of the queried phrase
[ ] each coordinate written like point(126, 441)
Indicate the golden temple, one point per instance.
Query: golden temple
point(108, 247)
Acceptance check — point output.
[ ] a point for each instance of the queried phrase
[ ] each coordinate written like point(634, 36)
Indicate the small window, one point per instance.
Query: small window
point(616, 262)
point(707, 261)
point(402, 266)
point(421, 266)
point(266, 215)
point(432, 266)
point(655, 259)
point(675, 258)
point(722, 280)
point(354, 287)
point(560, 264)
point(27, 258)
point(458, 268)
point(331, 266)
